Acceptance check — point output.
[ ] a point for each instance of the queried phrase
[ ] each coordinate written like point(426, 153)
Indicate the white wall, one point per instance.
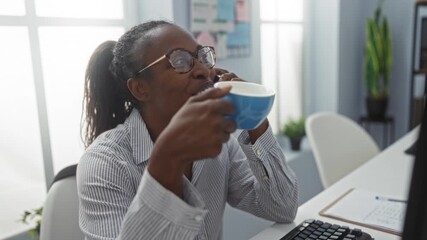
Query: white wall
point(323, 44)
point(159, 9)
point(351, 35)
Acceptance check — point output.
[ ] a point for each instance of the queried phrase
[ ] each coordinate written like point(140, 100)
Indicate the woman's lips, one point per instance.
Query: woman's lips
point(203, 86)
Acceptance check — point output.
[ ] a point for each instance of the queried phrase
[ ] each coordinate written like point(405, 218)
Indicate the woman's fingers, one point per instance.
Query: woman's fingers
point(227, 77)
point(218, 73)
point(222, 75)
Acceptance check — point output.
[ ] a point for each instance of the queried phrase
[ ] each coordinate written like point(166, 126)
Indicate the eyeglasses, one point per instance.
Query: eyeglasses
point(182, 60)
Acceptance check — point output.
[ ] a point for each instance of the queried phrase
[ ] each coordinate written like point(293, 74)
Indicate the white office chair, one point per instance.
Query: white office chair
point(339, 145)
point(60, 219)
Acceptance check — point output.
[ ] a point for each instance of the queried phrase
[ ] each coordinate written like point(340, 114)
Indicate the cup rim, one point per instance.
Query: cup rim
point(269, 91)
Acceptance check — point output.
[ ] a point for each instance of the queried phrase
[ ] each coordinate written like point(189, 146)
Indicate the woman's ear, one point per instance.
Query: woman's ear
point(138, 89)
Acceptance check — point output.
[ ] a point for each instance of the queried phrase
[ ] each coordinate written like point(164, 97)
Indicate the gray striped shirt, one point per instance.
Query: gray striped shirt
point(120, 200)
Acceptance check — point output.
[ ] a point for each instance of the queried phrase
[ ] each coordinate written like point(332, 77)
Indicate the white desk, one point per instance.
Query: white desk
point(388, 173)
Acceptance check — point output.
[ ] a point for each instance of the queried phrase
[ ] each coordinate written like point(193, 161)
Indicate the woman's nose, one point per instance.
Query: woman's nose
point(200, 70)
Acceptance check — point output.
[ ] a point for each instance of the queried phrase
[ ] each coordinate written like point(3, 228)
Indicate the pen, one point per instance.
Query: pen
point(390, 199)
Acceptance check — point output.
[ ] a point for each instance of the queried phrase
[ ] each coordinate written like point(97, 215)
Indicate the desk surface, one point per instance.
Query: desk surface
point(388, 173)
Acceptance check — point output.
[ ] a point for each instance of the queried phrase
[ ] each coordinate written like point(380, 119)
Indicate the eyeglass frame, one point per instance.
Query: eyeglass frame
point(167, 56)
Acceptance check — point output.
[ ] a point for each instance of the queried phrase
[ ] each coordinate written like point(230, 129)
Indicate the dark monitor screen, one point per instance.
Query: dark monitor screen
point(416, 213)
point(424, 33)
point(423, 45)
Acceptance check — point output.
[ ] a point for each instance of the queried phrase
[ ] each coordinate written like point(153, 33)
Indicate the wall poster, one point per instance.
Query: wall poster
point(222, 24)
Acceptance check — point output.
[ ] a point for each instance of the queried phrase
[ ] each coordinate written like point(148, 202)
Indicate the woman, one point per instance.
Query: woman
point(160, 161)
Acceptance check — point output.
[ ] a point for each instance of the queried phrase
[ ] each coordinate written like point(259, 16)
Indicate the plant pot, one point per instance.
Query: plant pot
point(376, 107)
point(295, 143)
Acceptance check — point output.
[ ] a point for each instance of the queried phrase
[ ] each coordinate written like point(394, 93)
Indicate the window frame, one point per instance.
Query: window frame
point(32, 22)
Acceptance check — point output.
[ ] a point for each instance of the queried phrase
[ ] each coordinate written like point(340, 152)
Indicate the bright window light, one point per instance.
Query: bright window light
point(12, 7)
point(290, 71)
point(281, 57)
point(111, 9)
point(268, 10)
point(290, 10)
point(269, 70)
point(22, 182)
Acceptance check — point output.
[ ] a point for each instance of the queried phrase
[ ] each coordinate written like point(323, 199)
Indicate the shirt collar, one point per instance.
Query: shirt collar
point(140, 139)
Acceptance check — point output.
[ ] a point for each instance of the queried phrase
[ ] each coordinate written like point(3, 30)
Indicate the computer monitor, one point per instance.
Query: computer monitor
point(415, 226)
point(423, 45)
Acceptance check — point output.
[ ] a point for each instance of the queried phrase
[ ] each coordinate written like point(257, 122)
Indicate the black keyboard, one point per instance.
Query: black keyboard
point(315, 229)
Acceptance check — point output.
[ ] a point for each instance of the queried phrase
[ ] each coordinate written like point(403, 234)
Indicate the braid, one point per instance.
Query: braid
point(107, 101)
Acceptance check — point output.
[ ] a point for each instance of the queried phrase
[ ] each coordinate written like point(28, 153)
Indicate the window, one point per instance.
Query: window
point(45, 46)
point(281, 54)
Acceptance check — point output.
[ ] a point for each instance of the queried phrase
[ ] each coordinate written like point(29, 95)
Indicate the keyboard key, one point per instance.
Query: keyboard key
point(357, 232)
point(335, 226)
point(318, 222)
point(351, 236)
point(326, 225)
point(302, 235)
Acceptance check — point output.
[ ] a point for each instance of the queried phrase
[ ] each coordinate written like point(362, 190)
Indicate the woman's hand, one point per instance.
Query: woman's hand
point(196, 131)
point(224, 75)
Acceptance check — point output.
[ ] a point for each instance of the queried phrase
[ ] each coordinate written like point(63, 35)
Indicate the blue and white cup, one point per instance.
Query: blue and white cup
point(252, 102)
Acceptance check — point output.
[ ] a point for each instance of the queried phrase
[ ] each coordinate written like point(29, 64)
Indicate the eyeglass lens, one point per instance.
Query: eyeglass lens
point(183, 61)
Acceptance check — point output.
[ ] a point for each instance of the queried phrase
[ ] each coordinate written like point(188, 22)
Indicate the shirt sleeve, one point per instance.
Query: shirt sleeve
point(111, 208)
point(260, 181)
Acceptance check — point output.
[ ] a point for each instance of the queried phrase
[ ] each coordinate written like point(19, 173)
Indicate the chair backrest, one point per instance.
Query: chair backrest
point(339, 145)
point(60, 219)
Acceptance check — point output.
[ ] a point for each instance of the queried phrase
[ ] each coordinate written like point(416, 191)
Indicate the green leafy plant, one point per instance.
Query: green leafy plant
point(294, 128)
point(31, 217)
point(378, 55)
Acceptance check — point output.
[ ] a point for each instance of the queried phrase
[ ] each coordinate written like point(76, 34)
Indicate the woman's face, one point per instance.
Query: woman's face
point(168, 90)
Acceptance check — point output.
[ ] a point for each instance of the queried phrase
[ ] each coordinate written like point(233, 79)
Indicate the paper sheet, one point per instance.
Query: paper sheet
point(369, 209)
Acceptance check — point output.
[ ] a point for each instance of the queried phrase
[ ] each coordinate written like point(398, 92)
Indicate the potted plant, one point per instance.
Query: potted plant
point(295, 130)
point(33, 217)
point(378, 59)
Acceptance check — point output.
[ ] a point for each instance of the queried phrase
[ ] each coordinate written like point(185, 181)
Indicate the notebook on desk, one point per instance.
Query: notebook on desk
point(368, 209)
point(415, 222)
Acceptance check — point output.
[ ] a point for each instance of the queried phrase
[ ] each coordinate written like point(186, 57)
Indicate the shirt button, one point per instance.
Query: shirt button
point(198, 218)
point(258, 152)
point(265, 177)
